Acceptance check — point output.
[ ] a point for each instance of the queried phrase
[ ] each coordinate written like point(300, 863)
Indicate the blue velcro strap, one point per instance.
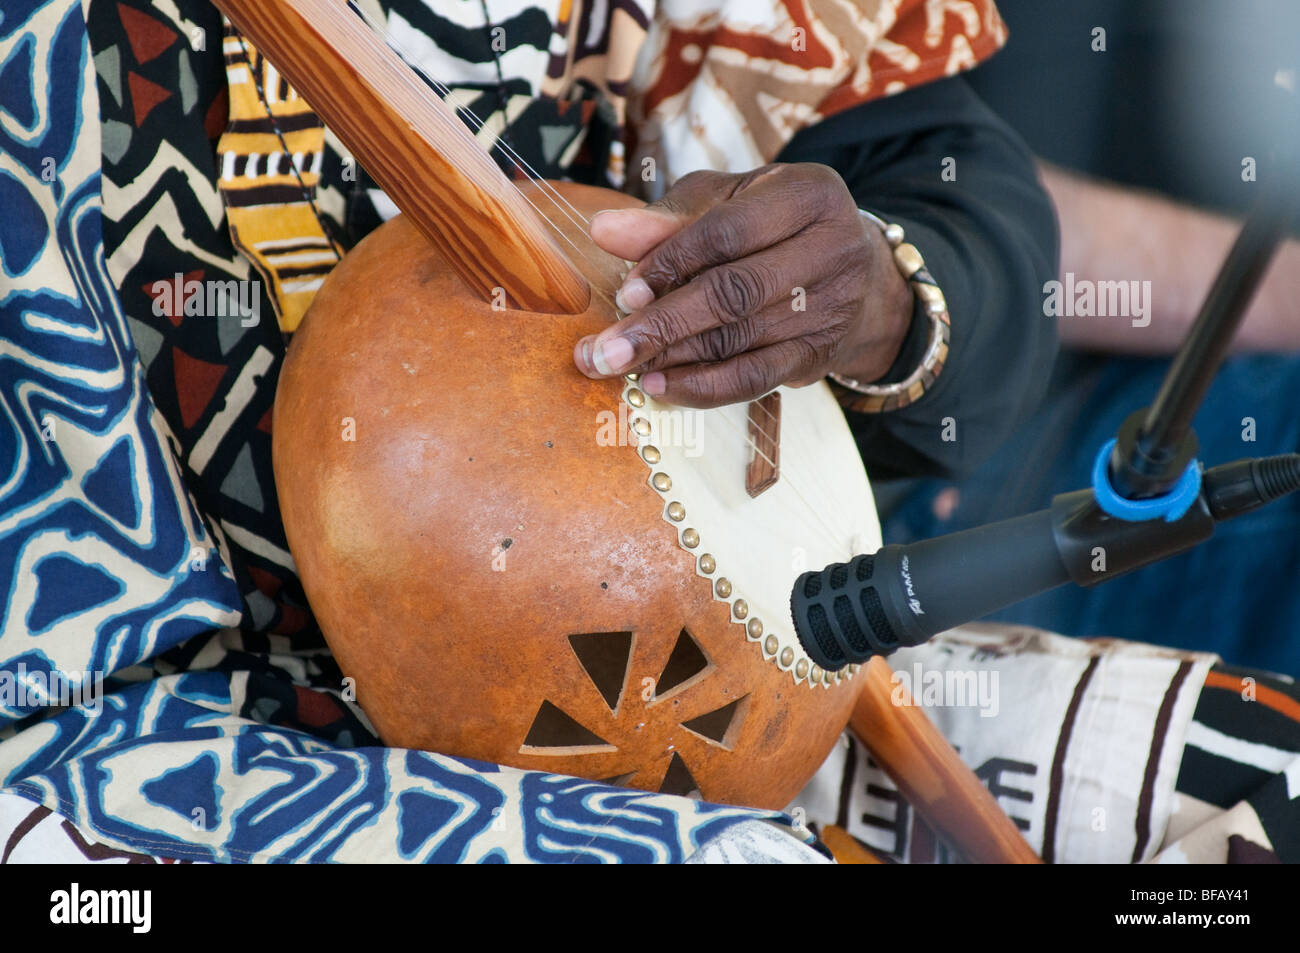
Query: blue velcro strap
point(1172, 506)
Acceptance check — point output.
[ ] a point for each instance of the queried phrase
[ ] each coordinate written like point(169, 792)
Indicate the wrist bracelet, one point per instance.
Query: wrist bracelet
point(877, 398)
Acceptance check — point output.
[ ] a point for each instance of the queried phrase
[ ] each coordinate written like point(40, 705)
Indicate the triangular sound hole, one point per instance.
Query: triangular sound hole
point(553, 728)
point(687, 661)
point(678, 780)
point(716, 724)
point(605, 657)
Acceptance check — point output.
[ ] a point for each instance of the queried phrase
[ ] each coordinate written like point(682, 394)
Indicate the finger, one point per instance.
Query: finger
point(631, 233)
point(745, 377)
point(773, 324)
point(723, 295)
point(759, 216)
point(793, 311)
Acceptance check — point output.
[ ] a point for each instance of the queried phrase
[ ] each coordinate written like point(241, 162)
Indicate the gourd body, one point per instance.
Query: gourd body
point(496, 574)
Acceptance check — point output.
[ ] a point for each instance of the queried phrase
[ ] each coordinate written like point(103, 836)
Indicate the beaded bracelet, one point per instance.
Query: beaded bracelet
point(877, 398)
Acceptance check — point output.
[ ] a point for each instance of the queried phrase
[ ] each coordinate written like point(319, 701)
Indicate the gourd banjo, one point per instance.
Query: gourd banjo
point(522, 565)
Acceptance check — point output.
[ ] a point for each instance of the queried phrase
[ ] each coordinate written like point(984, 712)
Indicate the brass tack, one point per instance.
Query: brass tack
point(801, 669)
point(755, 627)
point(787, 657)
point(662, 482)
point(770, 645)
point(816, 674)
point(828, 677)
point(741, 608)
point(636, 398)
point(651, 454)
point(722, 587)
point(690, 538)
point(676, 512)
point(633, 377)
point(707, 564)
point(641, 426)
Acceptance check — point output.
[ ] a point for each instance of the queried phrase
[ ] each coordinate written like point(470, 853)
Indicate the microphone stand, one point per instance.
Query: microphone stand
point(1140, 508)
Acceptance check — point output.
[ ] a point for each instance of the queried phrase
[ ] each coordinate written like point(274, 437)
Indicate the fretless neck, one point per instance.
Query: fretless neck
point(416, 148)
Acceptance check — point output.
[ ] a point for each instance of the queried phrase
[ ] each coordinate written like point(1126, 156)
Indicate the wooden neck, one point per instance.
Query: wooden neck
point(416, 148)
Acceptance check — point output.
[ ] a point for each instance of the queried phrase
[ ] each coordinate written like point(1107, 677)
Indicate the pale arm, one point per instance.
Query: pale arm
point(1116, 233)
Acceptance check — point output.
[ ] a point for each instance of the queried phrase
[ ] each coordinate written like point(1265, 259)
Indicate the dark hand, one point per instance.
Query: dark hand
point(745, 282)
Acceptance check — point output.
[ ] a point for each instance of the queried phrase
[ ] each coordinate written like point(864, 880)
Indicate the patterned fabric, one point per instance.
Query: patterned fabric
point(1238, 796)
point(172, 733)
point(1088, 779)
point(617, 93)
point(199, 715)
point(724, 84)
point(1100, 751)
point(271, 158)
point(753, 842)
point(162, 103)
point(31, 834)
point(172, 770)
point(105, 558)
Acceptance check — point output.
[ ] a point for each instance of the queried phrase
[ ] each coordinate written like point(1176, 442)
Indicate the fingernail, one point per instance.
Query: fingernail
point(582, 355)
point(615, 213)
point(634, 295)
point(611, 356)
point(654, 383)
point(609, 219)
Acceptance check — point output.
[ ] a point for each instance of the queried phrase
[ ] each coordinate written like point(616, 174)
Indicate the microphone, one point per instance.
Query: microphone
point(902, 595)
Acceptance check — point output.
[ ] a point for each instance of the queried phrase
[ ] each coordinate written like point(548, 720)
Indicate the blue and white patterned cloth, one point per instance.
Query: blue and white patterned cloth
point(113, 572)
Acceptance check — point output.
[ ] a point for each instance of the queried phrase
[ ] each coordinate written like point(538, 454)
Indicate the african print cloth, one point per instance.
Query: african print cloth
point(592, 87)
point(33, 834)
point(1100, 751)
point(578, 89)
point(164, 691)
point(161, 684)
point(147, 570)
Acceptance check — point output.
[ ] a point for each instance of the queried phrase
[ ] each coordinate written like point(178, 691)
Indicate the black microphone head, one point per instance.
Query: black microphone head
point(838, 615)
point(903, 594)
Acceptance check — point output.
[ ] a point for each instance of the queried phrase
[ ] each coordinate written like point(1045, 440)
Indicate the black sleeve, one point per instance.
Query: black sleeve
point(990, 239)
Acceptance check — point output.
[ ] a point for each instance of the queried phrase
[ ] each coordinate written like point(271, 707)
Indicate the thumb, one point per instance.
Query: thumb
point(632, 233)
